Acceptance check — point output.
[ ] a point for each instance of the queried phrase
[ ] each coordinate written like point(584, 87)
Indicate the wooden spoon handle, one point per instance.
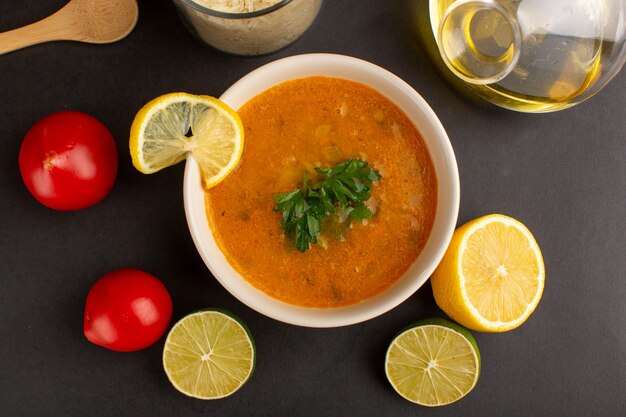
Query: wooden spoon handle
point(51, 28)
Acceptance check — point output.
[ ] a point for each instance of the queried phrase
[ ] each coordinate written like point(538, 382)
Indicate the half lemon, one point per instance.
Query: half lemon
point(172, 126)
point(492, 275)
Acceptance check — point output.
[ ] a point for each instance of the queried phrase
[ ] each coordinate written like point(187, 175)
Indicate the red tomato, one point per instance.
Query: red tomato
point(127, 310)
point(68, 160)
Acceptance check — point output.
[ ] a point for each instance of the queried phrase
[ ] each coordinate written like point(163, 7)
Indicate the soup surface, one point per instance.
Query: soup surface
point(318, 121)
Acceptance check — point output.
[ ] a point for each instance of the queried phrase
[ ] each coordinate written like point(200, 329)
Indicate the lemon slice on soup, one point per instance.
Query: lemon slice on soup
point(172, 126)
point(209, 354)
point(492, 275)
point(433, 362)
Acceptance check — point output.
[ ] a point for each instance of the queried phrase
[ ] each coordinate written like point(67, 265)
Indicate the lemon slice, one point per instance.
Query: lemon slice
point(209, 354)
point(433, 362)
point(492, 275)
point(172, 126)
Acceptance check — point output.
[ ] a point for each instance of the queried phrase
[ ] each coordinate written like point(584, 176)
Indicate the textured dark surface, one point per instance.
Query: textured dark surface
point(562, 174)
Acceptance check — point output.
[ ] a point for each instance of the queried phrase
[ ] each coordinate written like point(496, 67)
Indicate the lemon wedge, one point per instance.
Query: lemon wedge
point(209, 354)
point(172, 126)
point(492, 275)
point(433, 362)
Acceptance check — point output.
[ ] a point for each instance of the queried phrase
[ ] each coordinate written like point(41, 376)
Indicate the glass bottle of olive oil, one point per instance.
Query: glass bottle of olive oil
point(531, 55)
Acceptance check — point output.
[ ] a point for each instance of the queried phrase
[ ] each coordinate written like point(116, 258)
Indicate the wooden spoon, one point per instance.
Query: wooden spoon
point(93, 21)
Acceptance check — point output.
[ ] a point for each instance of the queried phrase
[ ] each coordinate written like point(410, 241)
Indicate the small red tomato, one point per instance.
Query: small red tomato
point(68, 160)
point(127, 310)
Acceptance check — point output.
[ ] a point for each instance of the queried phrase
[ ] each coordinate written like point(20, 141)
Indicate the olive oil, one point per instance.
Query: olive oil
point(553, 60)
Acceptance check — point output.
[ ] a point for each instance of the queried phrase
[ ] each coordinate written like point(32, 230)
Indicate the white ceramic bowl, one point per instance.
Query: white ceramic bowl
point(441, 154)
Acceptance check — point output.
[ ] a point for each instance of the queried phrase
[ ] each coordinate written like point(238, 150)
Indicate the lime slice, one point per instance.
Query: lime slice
point(174, 125)
point(209, 354)
point(433, 362)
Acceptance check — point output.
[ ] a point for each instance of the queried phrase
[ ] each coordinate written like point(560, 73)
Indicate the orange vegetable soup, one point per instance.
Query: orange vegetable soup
point(295, 127)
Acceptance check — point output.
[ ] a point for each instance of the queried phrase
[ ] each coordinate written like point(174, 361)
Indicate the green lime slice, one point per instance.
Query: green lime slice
point(433, 362)
point(209, 354)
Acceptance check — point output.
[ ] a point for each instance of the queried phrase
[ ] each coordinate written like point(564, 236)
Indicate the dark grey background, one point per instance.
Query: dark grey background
point(562, 174)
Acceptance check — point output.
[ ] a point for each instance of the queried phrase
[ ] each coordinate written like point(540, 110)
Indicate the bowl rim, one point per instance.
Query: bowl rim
point(446, 169)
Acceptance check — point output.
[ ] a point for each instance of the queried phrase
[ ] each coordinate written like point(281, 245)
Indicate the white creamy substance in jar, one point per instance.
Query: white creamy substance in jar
point(236, 6)
point(254, 35)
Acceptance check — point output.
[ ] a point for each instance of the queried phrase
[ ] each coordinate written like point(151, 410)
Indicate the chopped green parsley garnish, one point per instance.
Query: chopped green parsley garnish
point(345, 186)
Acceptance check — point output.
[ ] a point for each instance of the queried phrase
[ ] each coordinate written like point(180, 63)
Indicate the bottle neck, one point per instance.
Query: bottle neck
point(479, 40)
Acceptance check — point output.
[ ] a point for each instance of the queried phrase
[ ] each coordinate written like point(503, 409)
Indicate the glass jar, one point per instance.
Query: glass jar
point(531, 55)
point(251, 32)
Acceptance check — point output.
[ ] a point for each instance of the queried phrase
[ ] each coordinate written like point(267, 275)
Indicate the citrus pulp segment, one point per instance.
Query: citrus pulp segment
point(492, 275)
point(433, 362)
point(171, 126)
point(209, 354)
